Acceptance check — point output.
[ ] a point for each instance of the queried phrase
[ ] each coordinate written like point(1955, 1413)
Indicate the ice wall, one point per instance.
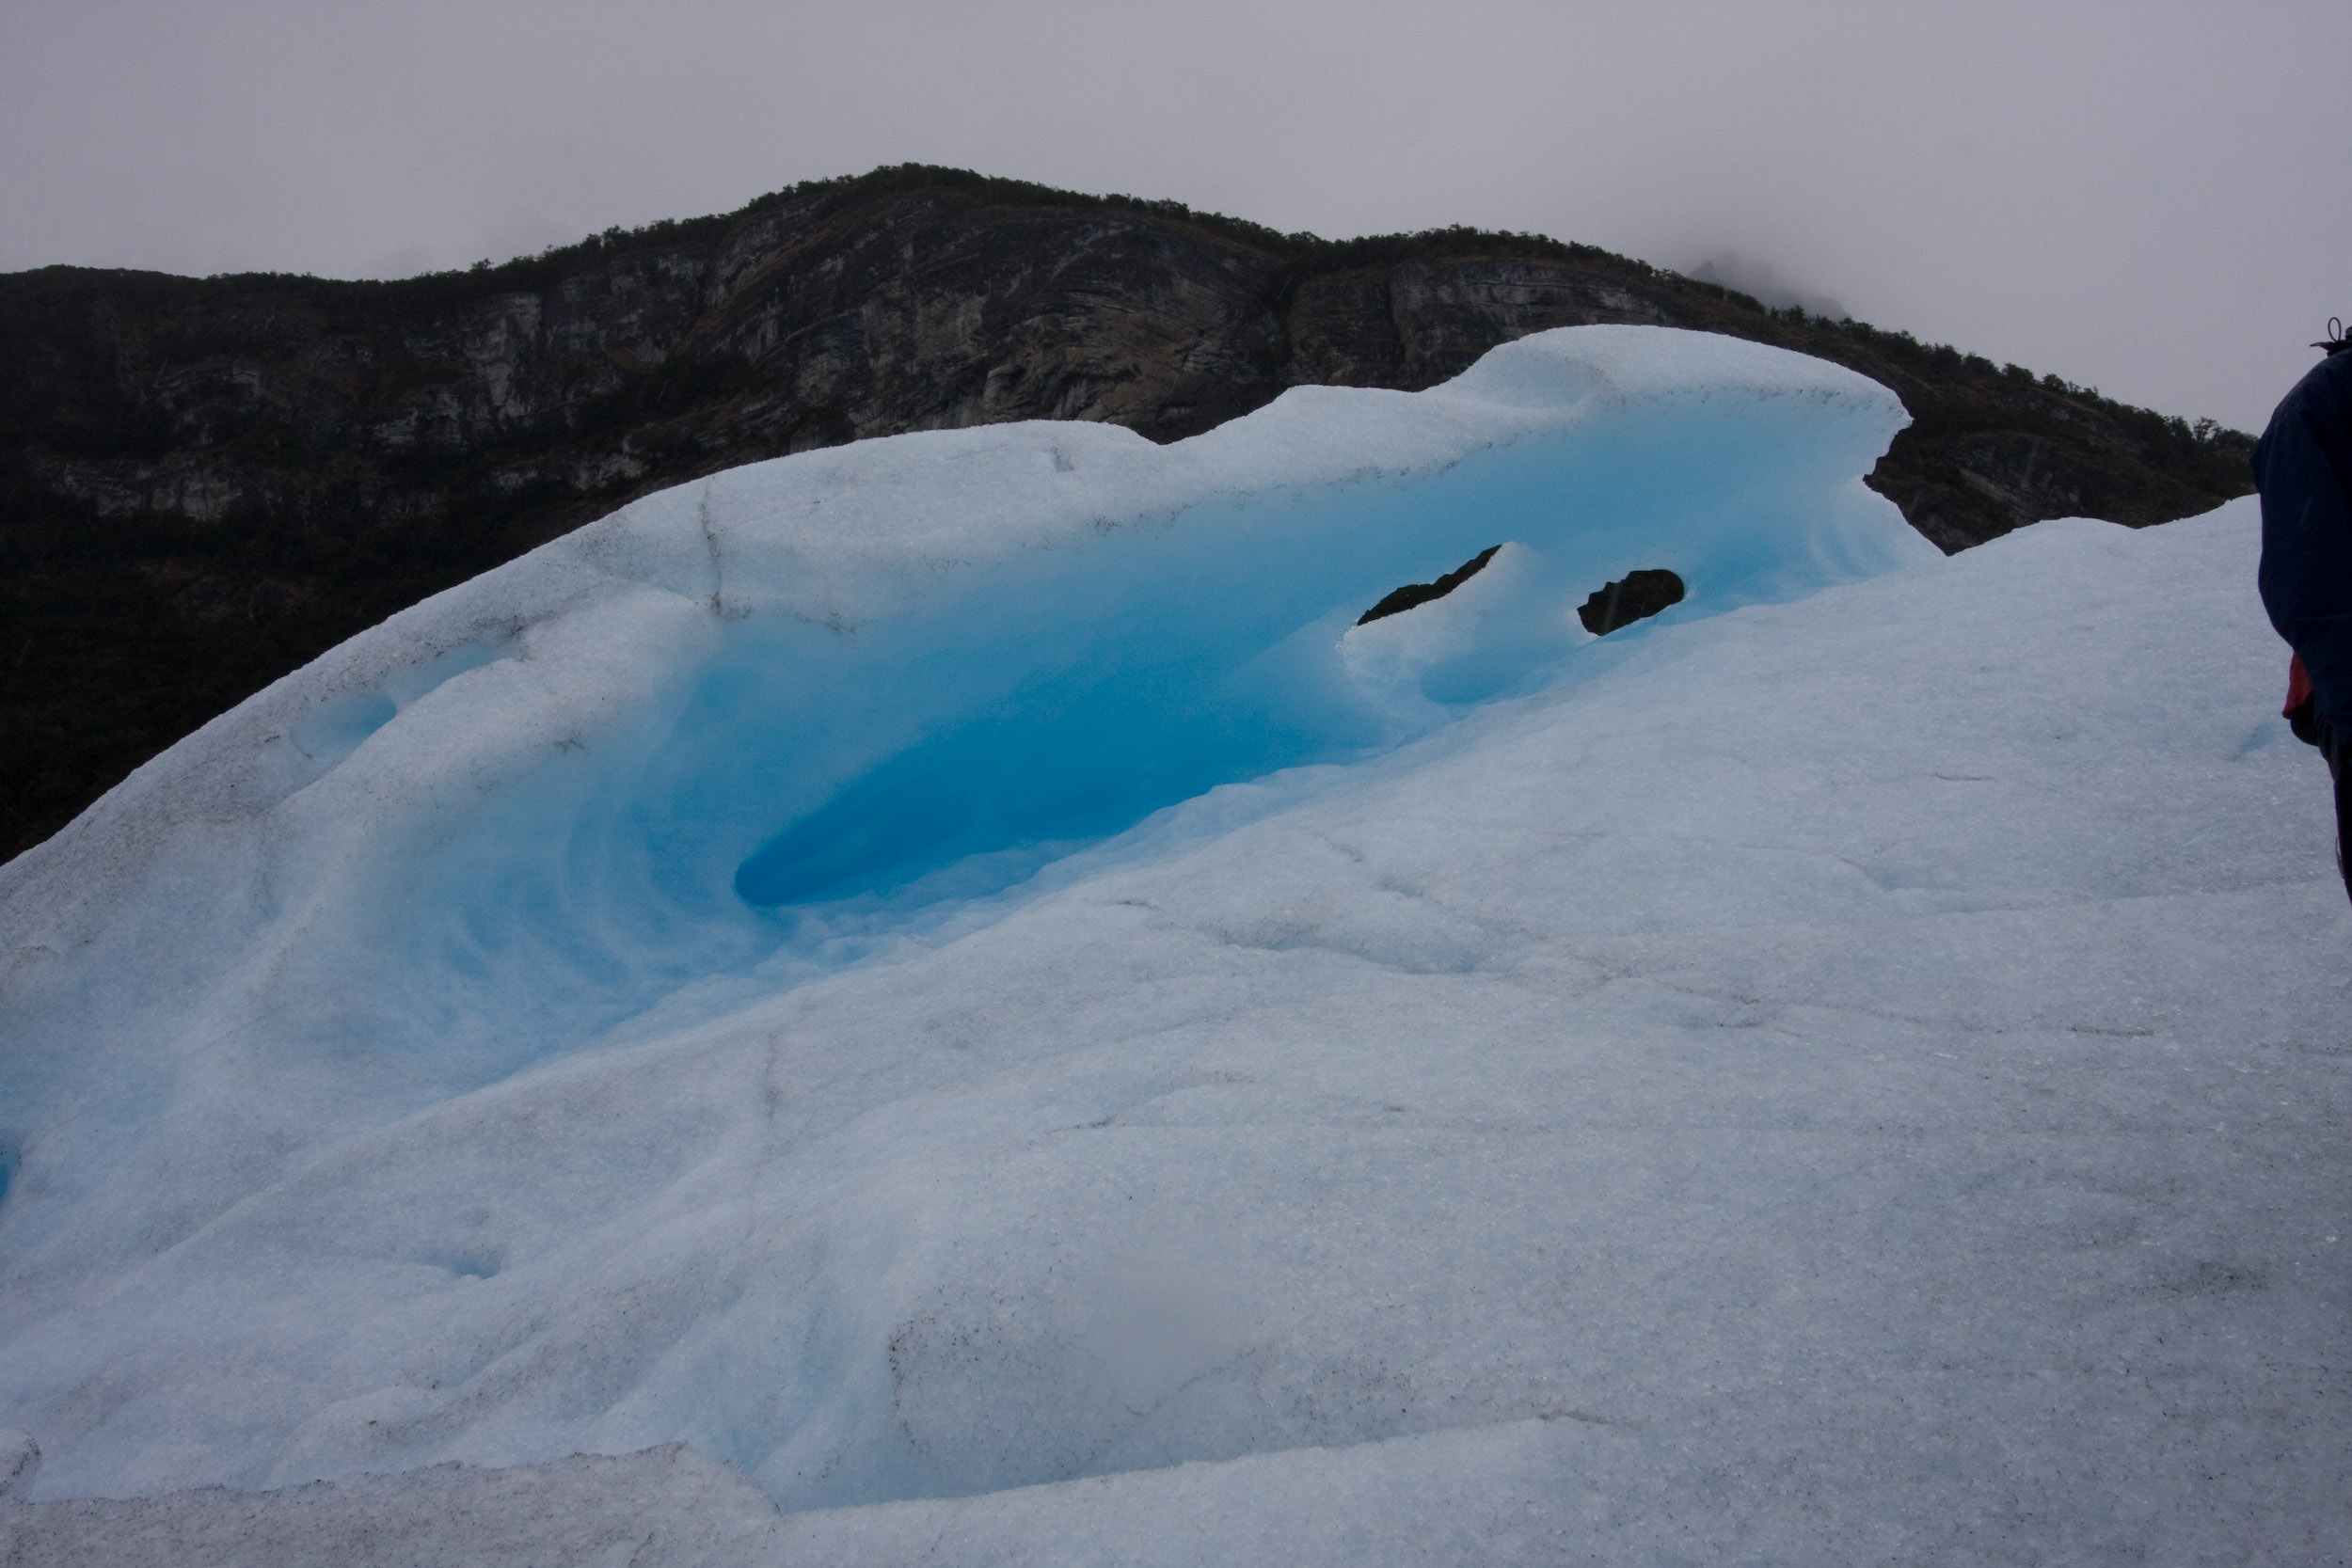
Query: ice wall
point(827, 711)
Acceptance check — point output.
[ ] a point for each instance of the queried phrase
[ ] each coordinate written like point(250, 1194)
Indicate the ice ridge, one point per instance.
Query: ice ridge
point(746, 733)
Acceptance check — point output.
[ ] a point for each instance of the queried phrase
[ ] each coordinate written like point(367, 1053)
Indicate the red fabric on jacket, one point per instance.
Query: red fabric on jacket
point(2298, 686)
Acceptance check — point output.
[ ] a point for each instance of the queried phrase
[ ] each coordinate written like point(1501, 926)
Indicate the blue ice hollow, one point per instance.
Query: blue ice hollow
point(807, 703)
point(739, 734)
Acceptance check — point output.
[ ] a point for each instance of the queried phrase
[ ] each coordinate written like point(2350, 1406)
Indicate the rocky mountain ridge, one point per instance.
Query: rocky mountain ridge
point(204, 482)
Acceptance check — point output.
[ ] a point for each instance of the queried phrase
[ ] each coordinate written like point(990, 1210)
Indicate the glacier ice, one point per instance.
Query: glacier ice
point(949, 965)
point(803, 711)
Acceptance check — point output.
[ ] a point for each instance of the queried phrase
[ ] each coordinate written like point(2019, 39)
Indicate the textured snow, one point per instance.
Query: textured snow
point(1851, 1069)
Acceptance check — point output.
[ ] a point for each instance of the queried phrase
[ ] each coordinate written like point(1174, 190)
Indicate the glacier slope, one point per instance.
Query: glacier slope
point(1866, 1066)
point(1939, 1156)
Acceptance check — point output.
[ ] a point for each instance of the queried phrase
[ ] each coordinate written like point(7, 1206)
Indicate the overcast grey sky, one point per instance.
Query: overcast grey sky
point(2154, 199)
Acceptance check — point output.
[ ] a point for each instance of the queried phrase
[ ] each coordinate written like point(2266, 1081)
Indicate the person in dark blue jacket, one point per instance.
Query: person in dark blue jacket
point(2303, 468)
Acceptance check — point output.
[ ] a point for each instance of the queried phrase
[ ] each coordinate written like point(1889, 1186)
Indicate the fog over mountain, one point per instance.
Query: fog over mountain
point(1763, 282)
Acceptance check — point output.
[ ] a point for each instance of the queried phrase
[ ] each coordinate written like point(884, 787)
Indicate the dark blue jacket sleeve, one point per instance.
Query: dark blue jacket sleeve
point(2304, 468)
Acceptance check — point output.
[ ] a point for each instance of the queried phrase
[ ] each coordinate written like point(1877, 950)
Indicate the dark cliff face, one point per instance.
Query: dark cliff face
point(204, 482)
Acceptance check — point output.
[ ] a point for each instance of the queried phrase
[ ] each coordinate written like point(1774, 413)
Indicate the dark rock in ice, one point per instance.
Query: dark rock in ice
point(1635, 596)
point(1400, 599)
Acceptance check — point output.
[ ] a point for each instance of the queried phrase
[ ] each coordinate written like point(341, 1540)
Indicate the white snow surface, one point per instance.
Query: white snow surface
point(945, 976)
